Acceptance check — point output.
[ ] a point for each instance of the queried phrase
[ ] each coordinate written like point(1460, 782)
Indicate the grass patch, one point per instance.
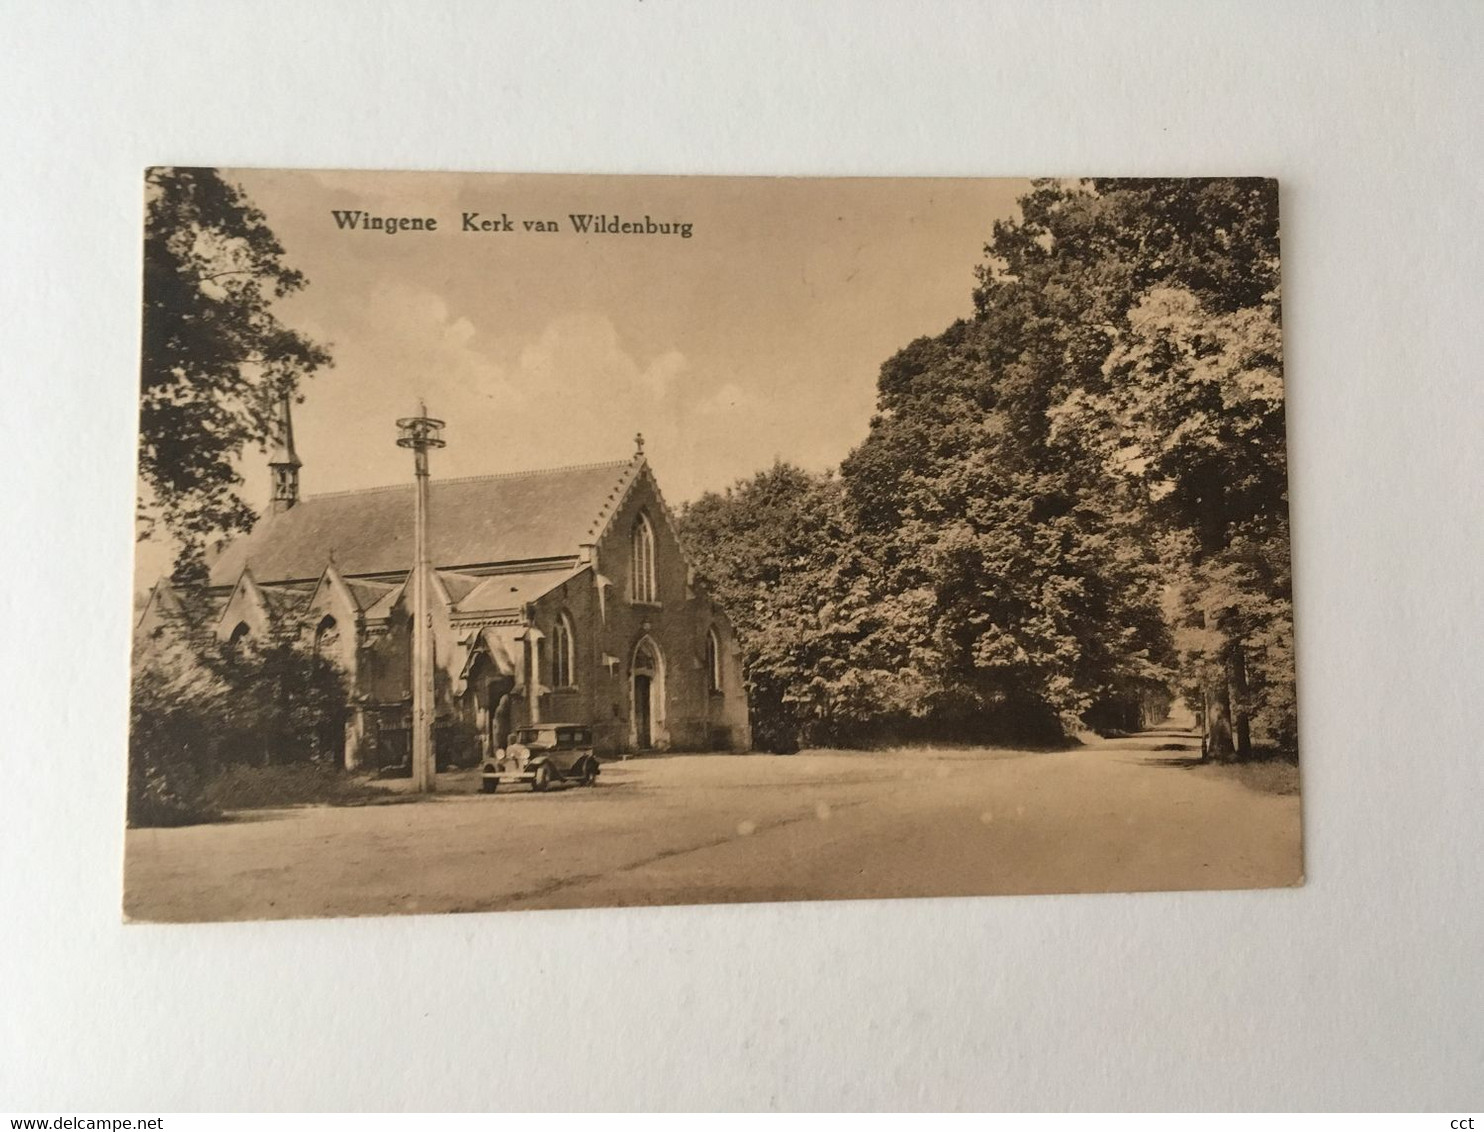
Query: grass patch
point(272, 787)
point(156, 806)
point(1267, 776)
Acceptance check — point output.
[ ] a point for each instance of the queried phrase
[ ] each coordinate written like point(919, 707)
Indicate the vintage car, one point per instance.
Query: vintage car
point(542, 754)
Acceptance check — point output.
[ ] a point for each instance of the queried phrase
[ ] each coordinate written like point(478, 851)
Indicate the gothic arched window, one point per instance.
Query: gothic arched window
point(237, 638)
point(563, 654)
point(326, 637)
point(641, 567)
point(713, 661)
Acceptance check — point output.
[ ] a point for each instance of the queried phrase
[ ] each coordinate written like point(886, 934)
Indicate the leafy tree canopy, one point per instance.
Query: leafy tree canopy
point(216, 358)
point(1068, 506)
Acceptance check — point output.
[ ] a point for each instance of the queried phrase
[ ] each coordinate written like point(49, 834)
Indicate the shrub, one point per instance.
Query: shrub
point(269, 787)
point(170, 736)
point(197, 709)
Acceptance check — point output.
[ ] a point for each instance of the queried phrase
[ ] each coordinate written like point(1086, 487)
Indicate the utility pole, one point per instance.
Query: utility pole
point(421, 433)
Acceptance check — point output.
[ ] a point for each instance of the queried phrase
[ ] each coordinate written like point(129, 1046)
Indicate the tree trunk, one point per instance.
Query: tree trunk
point(1219, 746)
point(1236, 675)
point(1212, 531)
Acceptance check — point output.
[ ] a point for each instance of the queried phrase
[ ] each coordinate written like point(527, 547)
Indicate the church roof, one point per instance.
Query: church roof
point(457, 585)
point(518, 517)
point(367, 594)
point(511, 591)
point(287, 600)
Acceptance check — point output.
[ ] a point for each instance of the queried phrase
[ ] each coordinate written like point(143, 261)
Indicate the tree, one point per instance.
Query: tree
point(215, 358)
point(762, 548)
point(1061, 501)
point(198, 706)
point(1192, 408)
point(999, 479)
point(281, 703)
point(1040, 602)
point(172, 708)
point(1140, 320)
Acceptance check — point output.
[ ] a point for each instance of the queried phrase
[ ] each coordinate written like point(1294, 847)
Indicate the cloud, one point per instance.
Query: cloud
point(417, 337)
point(403, 345)
point(580, 395)
point(663, 371)
point(579, 356)
point(730, 398)
point(575, 393)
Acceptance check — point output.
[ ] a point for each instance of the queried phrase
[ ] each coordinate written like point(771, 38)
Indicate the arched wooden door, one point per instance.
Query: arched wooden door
point(646, 691)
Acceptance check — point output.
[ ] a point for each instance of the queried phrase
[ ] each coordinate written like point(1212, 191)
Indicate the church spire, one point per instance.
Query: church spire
point(284, 462)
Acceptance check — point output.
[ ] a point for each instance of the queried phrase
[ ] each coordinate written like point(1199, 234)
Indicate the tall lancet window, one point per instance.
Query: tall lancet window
point(563, 654)
point(327, 638)
point(238, 639)
point(713, 661)
point(641, 569)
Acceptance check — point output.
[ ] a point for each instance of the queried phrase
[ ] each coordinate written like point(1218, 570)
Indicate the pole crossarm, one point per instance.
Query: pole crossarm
point(420, 433)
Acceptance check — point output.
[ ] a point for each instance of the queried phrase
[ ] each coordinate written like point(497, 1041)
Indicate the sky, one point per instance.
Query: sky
point(758, 338)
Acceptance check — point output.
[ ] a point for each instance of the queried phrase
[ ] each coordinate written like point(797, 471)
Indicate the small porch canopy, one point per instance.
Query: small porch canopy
point(502, 646)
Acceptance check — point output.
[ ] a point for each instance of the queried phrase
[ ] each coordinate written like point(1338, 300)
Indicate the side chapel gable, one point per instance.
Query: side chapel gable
point(246, 606)
point(331, 598)
point(162, 610)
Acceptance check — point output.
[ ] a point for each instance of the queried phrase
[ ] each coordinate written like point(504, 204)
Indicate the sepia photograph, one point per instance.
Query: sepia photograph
point(525, 541)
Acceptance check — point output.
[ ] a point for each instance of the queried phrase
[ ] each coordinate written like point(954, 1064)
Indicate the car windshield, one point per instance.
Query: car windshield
point(555, 737)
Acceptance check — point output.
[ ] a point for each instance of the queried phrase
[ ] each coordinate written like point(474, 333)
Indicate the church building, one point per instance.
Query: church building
point(557, 596)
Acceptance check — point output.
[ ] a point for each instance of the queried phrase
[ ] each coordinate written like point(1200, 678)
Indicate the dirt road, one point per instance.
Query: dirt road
point(1122, 815)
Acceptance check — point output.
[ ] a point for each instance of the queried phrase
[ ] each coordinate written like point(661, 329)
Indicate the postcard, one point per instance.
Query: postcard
point(534, 541)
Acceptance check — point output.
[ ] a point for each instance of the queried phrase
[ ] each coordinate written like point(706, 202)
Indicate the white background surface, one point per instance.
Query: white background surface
point(1363, 989)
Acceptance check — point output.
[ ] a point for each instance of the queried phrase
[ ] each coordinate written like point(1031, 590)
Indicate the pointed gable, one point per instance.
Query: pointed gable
point(163, 610)
point(342, 599)
point(519, 517)
point(247, 606)
point(643, 477)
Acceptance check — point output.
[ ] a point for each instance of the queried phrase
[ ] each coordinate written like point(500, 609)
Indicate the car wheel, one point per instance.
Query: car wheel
point(489, 785)
point(542, 779)
point(590, 773)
